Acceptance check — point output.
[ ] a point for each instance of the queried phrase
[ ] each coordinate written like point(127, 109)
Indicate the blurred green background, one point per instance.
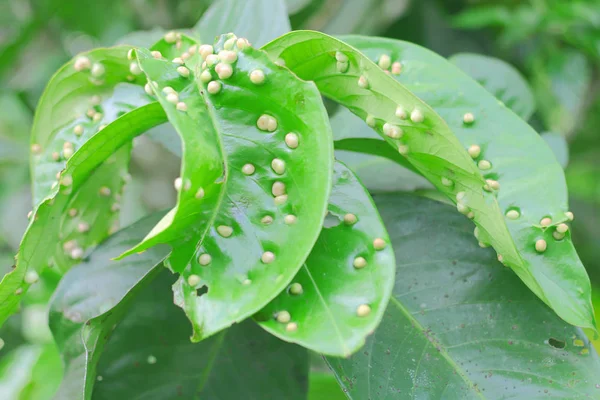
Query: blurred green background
point(554, 44)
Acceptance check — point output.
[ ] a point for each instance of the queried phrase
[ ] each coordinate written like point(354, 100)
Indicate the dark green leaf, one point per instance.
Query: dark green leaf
point(92, 297)
point(239, 248)
point(259, 21)
point(559, 147)
point(500, 79)
point(460, 325)
point(150, 357)
point(324, 386)
point(509, 152)
point(340, 293)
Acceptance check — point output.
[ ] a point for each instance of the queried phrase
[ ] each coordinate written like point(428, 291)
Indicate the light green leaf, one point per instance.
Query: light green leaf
point(238, 246)
point(83, 206)
point(30, 372)
point(150, 357)
point(340, 293)
point(511, 154)
point(259, 21)
point(92, 297)
point(559, 147)
point(500, 79)
point(460, 325)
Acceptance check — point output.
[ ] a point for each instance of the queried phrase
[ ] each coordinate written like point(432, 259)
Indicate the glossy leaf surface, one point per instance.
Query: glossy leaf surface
point(242, 179)
point(92, 297)
point(349, 270)
point(504, 156)
point(242, 362)
point(500, 79)
point(460, 325)
point(78, 198)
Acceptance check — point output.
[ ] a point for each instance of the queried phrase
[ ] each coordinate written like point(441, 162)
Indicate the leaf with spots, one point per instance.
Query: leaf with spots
point(92, 297)
point(526, 219)
point(255, 179)
point(86, 118)
point(460, 325)
point(149, 356)
point(339, 295)
point(500, 79)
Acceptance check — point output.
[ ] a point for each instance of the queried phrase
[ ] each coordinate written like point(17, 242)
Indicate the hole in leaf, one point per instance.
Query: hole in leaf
point(202, 290)
point(557, 343)
point(331, 220)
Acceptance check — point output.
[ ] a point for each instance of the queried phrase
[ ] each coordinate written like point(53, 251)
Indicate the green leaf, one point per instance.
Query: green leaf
point(560, 82)
point(511, 154)
point(324, 386)
point(150, 357)
point(460, 325)
point(239, 247)
point(92, 297)
point(31, 372)
point(83, 206)
point(259, 21)
point(340, 293)
point(559, 147)
point(500, 79)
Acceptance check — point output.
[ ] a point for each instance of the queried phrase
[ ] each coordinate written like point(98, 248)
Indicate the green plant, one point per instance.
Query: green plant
point(270, 231)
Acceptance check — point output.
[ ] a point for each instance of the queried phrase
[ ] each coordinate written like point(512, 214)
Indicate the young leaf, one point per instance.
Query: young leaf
point(460, 325)
point(340, 293)
point(92, 297)
point(83, 127)
point(254, 156)
point(257, 20)
point(527, 228)
point(500, 79)
point(150, 357)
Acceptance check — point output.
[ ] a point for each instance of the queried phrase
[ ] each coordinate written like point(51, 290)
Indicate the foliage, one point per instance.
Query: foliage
point(288, 258)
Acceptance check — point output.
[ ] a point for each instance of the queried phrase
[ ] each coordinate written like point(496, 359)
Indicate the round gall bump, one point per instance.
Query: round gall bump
point(570, 215)
point(151, 359)
point(296, 289)
point(214, 87)
point(257, 77)
point(363, 82)
point(134, 68)
point(379, 244)
point(168, 90)
point(417, 116)
point(77, 253)
point(247, 282)
point(463, 209)
point(401, 112)
point(266, 220)
point(97, 117)
point(493, 184)
point(370, 120)
point(36, 148)
point(148, 89)
point(447, 182)
point(291, 327)
point(83, 227)
point(392, 131)
point(484, 165)
point(242, 43)
point(104, 191)
point(350, 219)
point(156, 54)
point(224, 70)
point(181, 106)
point(212, 59)
point(205, 76)
point(342, 67)
point(228, 56)
point(178, 183)
point(468, 118)
point(193, 280)
point(562, 228)
point(183, 71)
point(545, 222)
point(82, 63)
point(291, 140)
point(267, 257)
point(403, 149)
point(474, 151)
point(280, 200)
point(170, 37)
point(173, 98)
point(280, 62)
point(471, 215)
point(98, 70)
point(199, 193)
point(177, 60)
point(359, 262)
point(248, 169)
point(278, 166)
point(67, 153)
point(31, 277)
point(271, 124)
point(384, 61)
point(289, 219)
point(229, 43)
point(512, 214)
point(363, 310)
point(341, 57)
point(278, 189)
point(283, 317)
point(204, 259)
point(558, 235)
point(500, 258)
point(205, 50)
point(225, 231)
point(396, 68)
point(540, 246)
point(130, 54)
